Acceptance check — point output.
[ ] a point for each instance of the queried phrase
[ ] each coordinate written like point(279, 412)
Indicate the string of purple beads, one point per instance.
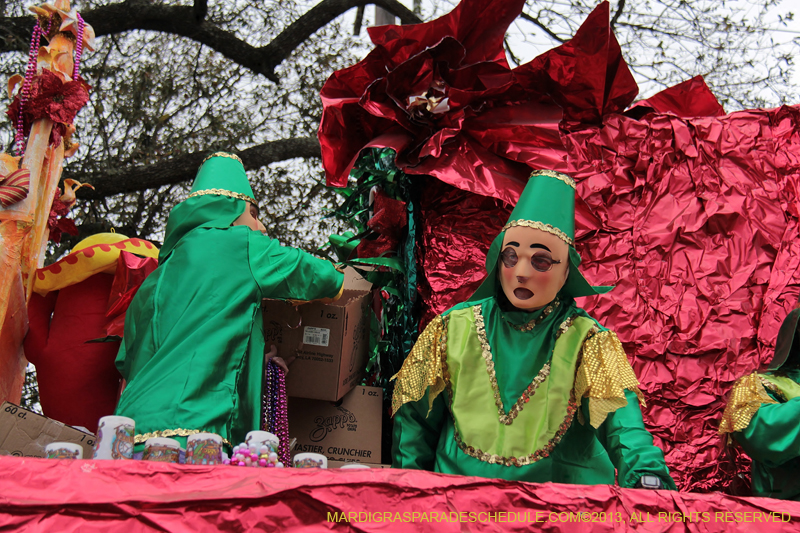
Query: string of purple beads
point(78, 48)
point(276, 419)
point(25, 92)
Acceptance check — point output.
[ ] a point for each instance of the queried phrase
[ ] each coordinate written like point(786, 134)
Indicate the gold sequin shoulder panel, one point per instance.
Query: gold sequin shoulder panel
point(423, 367)
point(603, 375)
point(747, 396)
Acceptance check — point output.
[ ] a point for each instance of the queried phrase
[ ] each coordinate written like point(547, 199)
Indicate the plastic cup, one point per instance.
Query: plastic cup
point(114, 438)
point(310, 460)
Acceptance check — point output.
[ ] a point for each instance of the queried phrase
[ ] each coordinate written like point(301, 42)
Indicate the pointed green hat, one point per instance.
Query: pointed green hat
point(219, 196)
point(222, 174)
point(547, 204)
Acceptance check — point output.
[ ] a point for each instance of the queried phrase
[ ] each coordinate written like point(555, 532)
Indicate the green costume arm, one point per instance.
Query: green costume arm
point(285, 273)
point(415, 436)
point(773, 435)
point(630, 445)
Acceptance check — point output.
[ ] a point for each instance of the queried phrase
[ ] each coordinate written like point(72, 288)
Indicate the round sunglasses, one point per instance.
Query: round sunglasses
point(540, 261)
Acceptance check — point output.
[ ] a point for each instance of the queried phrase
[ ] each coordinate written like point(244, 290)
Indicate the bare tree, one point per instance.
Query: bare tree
point(173, 80)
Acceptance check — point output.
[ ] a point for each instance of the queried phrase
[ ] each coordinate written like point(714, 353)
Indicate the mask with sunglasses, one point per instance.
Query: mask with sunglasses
point(535, 271)
point(533, 267)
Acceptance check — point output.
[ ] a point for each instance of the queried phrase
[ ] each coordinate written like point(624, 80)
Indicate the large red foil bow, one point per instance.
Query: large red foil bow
point(443, 96)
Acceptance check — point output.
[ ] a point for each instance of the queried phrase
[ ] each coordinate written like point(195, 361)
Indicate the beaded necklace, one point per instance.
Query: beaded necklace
point(276, 419)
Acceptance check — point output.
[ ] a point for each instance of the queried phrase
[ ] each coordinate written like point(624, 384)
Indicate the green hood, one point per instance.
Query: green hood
point(547, 204)
point(219, 196)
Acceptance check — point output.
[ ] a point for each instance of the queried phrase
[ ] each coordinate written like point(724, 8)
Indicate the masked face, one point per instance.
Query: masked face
point(250, 219)
point(533, 267)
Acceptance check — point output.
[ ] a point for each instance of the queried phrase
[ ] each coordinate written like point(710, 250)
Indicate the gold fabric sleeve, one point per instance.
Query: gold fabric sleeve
point(603, 375)
point(746, 397)
point(422, 368)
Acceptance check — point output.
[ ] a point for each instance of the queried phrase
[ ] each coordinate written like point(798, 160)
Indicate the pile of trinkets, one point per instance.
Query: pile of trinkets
point(253, 455)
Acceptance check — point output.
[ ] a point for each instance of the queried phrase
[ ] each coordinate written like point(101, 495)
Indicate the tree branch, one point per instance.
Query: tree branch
point(200, 9)
point(184, 167)
point(130, 15)
point(615, 18)
point(319, 16)
point(531, 18)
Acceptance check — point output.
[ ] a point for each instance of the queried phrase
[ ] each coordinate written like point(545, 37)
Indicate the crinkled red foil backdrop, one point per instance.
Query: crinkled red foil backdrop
point(691, 213)
point(696, 223)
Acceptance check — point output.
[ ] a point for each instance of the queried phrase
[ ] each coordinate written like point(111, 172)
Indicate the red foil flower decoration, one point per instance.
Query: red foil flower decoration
point(52, 98)
point(443, 96)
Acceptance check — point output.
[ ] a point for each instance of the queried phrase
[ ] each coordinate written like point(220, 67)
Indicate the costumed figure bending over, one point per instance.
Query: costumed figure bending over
point(193, 349)
point(763, 416)
point(518, 382)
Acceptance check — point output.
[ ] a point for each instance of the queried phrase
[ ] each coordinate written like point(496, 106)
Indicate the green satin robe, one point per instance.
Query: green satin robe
point(584, 455)
point(193, 350)
point(772, 440)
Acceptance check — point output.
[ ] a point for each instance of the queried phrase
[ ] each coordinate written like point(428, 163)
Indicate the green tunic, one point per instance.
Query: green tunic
point(772, 439)
point(464, 432)
point(193, 350)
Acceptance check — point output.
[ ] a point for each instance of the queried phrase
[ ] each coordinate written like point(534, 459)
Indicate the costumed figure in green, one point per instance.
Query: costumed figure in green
point(494, 385)
point(193, 350)
point(763, 417)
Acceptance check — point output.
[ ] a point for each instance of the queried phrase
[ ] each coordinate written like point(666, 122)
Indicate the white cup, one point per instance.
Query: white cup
point(114, 438)
point(162, 449)
point(353, 466)
point(262, 438)
point(204, 449)
point(63, 450)
point(310, 460)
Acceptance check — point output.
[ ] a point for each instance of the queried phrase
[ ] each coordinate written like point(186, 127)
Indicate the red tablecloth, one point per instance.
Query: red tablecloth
point(51, 495)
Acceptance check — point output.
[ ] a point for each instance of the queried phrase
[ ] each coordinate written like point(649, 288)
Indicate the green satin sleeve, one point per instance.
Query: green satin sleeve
point(630, 446)
point(285, 273)
point(415, 437)
point(773, 435)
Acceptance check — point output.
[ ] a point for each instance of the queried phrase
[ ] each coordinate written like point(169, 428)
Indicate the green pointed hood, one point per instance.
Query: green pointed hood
point(219, 195)
point(547, 204)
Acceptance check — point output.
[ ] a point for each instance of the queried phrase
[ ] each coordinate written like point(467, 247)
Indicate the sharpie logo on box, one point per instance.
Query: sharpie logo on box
point(316, 336)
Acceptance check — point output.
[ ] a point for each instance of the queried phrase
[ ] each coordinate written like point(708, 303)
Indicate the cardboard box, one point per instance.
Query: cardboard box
point(330, 341)
point(346, 432)
point(24, 433)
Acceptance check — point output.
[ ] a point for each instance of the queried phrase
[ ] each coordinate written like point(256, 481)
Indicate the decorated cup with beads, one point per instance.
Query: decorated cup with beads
point(310, 460)
point(63, 450)
point(114, 438)
point(204, 449)
point(262, 438)
point(162, 450)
